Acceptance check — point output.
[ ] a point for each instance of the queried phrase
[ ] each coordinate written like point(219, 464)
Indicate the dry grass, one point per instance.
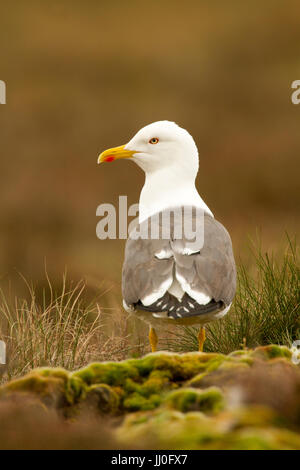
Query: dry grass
point(62, 330)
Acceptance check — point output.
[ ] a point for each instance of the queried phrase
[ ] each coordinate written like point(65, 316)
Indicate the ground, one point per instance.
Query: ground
point(248, 399)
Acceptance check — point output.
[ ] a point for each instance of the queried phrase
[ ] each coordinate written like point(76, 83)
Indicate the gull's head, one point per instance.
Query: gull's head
point(160, 145)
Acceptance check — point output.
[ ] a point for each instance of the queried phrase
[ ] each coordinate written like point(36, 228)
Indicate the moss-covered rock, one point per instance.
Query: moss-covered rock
point(49, 384)
point(194, 400)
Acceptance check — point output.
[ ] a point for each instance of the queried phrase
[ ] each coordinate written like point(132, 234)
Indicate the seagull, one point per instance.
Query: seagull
point(167, 280)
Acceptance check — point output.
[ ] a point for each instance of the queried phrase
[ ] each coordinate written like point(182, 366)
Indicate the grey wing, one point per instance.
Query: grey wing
point(145, 276)
point(207, 277)
point(211, 271)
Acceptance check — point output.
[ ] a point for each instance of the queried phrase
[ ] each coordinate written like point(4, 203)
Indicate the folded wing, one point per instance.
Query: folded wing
point(205, 277)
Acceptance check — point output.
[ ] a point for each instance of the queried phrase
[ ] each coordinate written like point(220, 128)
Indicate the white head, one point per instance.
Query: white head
point(162, 145)
point(169, 157)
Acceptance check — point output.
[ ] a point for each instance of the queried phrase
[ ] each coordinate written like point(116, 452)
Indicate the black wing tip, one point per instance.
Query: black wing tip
point(187, 307)
point(199, 310)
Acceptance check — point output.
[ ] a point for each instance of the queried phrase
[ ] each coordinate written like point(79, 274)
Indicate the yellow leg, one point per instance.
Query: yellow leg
point(153, 339)
point(201, 338)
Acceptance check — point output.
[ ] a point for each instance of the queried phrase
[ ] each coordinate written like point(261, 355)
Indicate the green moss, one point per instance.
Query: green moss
point(47, 384)
point(136, 402)
point(158, 361)
point(130, 386)
point(272, 351)
point(111, 373)
point(155, 383)
point(239, 353)
point(39, 381)
point(104, 398)
point(58, 373)
point(193, 363)
point(175, 430)
point(210, 400)
point(179, 366)
point(76, 389)
point(151, 373)
point(253, 416)
point(232, 365)
point(171, 401)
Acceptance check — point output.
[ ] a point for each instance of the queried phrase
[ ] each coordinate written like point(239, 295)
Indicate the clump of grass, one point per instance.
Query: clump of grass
point(62, 330)
point(266, 308)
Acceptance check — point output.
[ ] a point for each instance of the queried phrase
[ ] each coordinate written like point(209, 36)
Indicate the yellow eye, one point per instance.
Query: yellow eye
point(154, 140)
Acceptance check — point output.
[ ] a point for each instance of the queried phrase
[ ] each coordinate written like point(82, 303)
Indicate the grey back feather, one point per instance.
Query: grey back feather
point(210, 271)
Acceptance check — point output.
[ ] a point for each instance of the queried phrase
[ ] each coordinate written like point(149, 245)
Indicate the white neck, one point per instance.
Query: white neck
point(163, 188)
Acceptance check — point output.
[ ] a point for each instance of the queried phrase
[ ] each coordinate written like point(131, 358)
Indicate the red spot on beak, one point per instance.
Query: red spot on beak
point(110, 159)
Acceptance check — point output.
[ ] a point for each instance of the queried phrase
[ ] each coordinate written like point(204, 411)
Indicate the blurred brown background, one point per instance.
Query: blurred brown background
point(84, 76)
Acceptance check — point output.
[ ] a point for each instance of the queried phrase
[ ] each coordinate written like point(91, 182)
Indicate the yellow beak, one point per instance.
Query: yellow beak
point(115, 153)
